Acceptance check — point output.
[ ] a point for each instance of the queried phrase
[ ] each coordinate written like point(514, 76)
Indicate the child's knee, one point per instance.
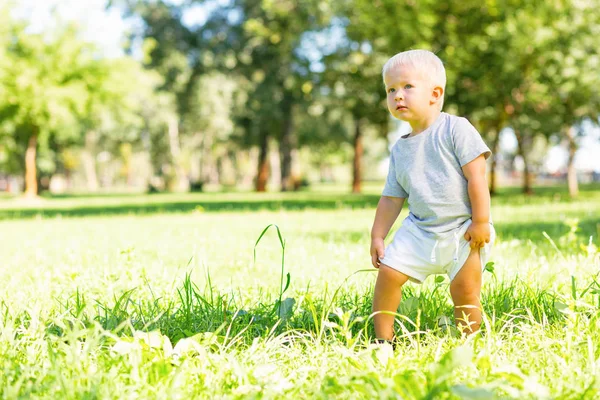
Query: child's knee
point(391, 275)
point(464, 288)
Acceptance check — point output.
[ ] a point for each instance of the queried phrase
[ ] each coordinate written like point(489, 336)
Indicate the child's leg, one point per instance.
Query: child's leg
point(465, 289)
point(388, 292)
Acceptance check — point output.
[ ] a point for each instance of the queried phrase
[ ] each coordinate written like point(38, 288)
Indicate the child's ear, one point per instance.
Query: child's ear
point(437, 94)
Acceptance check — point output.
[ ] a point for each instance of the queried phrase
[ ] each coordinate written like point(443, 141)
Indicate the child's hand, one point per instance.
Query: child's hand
point(377, 251)
point(478, 234)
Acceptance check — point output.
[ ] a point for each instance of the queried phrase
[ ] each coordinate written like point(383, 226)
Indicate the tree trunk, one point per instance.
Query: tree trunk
point(287, 145)
point(31, 186)
point(181, 183)
point(89, 161)
point(263, 163)
point(494, 164)
point(206, 162)
point(247, 167)
point(571, 172)
point(127, 163)
point(220, 168)
point(358, 153)
point(527, 187)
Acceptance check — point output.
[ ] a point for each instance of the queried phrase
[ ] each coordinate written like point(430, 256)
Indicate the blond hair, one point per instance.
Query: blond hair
point(423, 61)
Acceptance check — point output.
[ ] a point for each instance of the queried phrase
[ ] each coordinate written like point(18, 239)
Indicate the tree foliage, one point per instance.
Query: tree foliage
point(56, 87)
point(301, 74)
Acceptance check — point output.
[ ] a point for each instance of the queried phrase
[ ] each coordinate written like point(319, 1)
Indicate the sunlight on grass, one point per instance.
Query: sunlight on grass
point(166, 305)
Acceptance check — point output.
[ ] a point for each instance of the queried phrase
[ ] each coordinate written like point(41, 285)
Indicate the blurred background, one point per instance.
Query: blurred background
point(280, 95)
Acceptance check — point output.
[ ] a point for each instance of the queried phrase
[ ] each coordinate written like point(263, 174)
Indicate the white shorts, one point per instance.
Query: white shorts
point(418, 255)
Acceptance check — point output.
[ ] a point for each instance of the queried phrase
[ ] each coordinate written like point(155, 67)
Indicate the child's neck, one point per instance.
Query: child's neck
point(420, 125)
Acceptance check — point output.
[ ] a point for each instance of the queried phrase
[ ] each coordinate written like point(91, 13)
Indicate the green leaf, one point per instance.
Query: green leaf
point(287, 283)
point(561, 307)
point(259, 238)
point(457, 357)
point(408, 306)
point(468, 393)
point(286, 308)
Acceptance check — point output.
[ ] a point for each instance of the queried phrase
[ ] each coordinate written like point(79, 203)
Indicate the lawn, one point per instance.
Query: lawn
point(170, 296)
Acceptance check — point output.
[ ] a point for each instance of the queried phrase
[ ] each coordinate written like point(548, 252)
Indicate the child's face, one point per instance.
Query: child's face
point(410, 95)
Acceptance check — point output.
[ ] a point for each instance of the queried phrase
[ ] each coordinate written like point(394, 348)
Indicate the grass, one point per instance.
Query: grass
point(323, 197)
point(179, 296)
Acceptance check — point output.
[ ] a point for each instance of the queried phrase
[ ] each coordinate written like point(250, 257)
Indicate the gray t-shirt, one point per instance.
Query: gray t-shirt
point(427, 170)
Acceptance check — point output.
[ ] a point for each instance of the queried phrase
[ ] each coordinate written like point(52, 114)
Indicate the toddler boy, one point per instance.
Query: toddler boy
point(440, 169)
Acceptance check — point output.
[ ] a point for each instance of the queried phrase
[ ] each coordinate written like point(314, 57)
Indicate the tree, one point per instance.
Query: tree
point(44, 90)
point(216, 98)
point(58, 91)
point(270, 58)
point(570, 71)
point(354, 76)
point(118, 93)
point(504, 60)
point(182, 55)
point(375, 32)
point(554, 52)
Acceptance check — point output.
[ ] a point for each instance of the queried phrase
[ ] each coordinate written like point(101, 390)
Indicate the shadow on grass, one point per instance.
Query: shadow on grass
point(534, 230)
point(544, 194)
point(319, 202)
point(83, 205)
point(522, 231)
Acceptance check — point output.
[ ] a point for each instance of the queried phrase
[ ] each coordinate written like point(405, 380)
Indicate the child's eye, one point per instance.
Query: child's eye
point(391, 90)
point(408, 86)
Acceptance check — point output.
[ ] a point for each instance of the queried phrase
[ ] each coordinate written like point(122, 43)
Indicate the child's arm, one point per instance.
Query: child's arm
point(479, 231)
point(388, 210)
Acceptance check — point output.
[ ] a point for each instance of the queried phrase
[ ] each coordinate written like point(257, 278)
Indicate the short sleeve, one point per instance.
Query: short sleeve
point(468, 144)
point(392, 187)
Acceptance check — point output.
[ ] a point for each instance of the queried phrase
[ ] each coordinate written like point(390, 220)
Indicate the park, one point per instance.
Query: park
point(190, 216)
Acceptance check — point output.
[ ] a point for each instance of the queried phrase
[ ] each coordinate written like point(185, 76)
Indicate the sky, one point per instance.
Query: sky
point(107, 29)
